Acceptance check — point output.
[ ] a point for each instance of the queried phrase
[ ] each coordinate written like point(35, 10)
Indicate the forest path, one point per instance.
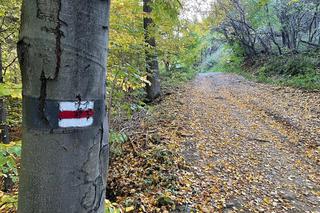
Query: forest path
point(251, 147)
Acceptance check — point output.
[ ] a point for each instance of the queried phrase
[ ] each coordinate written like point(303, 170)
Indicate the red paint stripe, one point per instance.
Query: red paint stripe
point(76, 114)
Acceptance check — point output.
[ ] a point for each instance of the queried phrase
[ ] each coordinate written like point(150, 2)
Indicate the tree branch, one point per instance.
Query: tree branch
point(9, 65)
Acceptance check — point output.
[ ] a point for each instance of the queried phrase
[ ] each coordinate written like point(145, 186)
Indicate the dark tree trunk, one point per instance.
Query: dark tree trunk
point(285, 38)
point(152, 66)
point(1, 65)
point(4, 135)
point(272, 34)
point(62, 53)
point(265, 46)
point(167, 65)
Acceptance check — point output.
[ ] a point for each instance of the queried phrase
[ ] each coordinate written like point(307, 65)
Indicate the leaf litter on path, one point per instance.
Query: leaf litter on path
point(223, 144)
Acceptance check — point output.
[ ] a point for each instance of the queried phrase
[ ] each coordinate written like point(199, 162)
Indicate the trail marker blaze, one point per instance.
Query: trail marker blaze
point(76, 114)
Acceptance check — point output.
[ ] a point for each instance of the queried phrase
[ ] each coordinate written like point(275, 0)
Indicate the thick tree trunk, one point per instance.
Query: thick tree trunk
point(62, 53)
point(152, 65)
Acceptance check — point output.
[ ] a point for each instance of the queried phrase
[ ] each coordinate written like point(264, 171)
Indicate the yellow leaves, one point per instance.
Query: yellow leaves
point(267, 200)
point(112, 207)
point(10, 89)
point(144, 79)
point(116, 208)
point(314, 177)
point(127, 43)
point(8, 202)
point(293, 2)
point(126, 49)
point(313, 153)
point(125, 84)
point(234, 150)
point(186, 182)
point(129, 209)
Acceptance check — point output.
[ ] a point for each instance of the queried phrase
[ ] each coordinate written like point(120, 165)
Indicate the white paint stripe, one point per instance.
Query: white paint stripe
point(73, 106)
point(78, 122)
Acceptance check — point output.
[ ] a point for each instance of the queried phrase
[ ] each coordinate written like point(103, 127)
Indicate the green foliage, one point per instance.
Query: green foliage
point(299, 70)
point(309, 81)
point(184, 64)
point(178, 48)
point(126, 49)
point(289, 65)
point(9, 156)
point(165, 201)
point(274, 41)
point(11, 90)
point(112, 207)
point(178, 76)
point(296, 70)
point(9, 30)
point(230, 59)
point(116, 141)
point(14, 107)
point(8, 202)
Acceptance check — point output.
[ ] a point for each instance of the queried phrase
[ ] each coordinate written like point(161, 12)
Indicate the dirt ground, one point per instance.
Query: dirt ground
point(248, 147)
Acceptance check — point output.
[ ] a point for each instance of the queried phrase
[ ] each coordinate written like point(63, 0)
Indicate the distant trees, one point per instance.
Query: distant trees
point(9, 22)
point(268, 26)
point(132, 53)
point(4, 129)
point(9, 71)
point(9, 29)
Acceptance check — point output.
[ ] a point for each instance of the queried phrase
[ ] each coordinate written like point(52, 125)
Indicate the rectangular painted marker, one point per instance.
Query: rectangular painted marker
point(76, 114)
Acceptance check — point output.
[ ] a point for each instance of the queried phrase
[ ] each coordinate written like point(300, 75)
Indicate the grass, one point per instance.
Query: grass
point(294, 70)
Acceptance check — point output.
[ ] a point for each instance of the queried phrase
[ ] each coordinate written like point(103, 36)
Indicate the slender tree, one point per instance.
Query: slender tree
point(4, 135)
point(62, 53)
point(152, 65)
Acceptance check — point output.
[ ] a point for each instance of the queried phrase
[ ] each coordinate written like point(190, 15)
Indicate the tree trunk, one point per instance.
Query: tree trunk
point(152, 66)
point(62, 54)
point(1, 65)
point(4, 135)
point(272, 34)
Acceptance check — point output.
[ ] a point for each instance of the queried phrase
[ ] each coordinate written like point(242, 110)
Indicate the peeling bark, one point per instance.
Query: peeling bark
point(63, 170)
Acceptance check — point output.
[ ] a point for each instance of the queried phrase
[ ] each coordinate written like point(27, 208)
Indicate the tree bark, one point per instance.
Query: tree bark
point(62, 53)
point(4, 135)
point(152, 65)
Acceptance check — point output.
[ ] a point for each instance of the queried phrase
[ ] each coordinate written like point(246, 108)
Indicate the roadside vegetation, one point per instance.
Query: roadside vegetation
point(294, 70)
point(271, 41)
point(268, 41)
point(177, 50)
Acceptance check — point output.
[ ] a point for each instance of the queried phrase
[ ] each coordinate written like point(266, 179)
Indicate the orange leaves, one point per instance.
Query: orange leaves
point(223, 144)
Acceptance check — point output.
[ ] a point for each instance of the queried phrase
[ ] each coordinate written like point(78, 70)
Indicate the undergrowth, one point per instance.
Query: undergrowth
point(300, 70)
point(178, 76)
